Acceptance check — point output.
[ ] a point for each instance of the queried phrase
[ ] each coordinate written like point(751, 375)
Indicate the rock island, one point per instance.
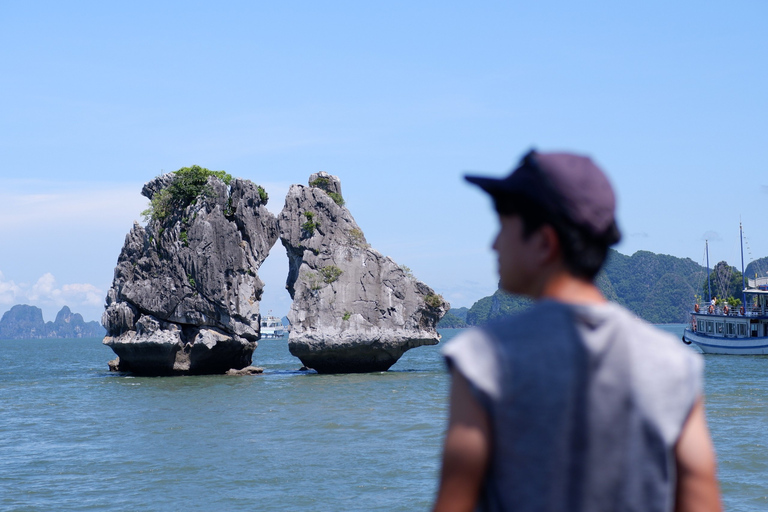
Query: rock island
point(185, 295)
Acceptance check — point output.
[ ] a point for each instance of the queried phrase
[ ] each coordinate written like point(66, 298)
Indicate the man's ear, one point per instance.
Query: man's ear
point(548, 244)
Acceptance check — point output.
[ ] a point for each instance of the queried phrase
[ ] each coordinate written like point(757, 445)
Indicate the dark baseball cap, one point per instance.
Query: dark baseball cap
point(567, 185)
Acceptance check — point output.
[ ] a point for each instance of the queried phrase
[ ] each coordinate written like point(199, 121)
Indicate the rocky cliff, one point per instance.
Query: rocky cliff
point(354, 310)
point(23, 322)
point(185, 295)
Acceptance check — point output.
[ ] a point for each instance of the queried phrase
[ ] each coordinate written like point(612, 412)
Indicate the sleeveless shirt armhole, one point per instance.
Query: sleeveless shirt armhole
point(696, 369)
point(695, 378)
point(474, 356)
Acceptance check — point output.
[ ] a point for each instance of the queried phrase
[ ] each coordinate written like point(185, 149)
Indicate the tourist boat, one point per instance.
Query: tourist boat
point(272, 327)
point(718, 329)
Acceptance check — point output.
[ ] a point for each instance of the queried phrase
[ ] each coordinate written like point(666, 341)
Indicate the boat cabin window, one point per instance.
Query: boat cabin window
point(710, 327)
point(719, 327)
point(700, 325)
point(742, 329)
point(730, 329)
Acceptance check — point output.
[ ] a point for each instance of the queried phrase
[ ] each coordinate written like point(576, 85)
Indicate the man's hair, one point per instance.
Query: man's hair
point(583, 253)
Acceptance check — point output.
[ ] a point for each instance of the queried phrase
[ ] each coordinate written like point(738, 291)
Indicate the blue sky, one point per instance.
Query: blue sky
point(398, 99)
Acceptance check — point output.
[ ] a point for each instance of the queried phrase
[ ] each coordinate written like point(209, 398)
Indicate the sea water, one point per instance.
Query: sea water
point(74, 436)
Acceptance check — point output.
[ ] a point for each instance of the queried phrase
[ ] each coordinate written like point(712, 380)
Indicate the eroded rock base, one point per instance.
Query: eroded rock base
point(167, 353)
point(353, 358)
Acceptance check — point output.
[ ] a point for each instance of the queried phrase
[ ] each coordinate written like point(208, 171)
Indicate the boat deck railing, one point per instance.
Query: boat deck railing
point(750, 312)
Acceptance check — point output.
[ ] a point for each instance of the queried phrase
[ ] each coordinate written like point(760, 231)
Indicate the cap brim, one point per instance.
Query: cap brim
point(491, 185)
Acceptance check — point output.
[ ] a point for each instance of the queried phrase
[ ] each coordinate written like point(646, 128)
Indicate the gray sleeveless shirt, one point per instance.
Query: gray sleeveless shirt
point(586, 404)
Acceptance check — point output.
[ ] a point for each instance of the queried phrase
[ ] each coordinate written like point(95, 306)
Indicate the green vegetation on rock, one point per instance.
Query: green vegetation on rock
point(310, 225)
point(434, 301)
point(263, 194)
point(324, 184)
point(330, 273)
point(321, 182)
point(187, 184)
point(357, 238)
point(337, 198)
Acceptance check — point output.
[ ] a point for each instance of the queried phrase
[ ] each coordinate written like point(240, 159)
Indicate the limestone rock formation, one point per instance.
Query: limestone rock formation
point(24, 322)
point(72, 325)
point(354, 310)
point(185, 295)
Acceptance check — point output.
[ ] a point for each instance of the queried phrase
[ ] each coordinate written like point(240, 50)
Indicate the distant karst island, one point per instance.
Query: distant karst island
point(26, 322)
point(658, 288)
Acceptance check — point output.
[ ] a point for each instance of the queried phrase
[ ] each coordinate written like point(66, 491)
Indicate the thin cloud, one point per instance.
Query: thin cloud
point(639, 234)
point(712, 236)
point(25, 205)
point(8, 290)
point(46, 292)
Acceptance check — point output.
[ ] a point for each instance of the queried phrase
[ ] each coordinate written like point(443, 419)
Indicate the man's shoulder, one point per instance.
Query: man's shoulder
point(540, 313)
point(648, 335)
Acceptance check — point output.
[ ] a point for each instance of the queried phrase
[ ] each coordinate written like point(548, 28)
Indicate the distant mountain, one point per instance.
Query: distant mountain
point(757, 267)
point(656, 287)
point(451, 321)
point(460, 313)
point(495, 306)
point(23, 322)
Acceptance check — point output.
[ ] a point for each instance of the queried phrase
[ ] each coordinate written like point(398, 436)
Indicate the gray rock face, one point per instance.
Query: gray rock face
point(185, 296)
point(354, 310)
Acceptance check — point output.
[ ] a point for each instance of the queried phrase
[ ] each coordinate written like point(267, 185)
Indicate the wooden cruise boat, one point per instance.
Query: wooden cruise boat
point(741, 330)
point(723, 330)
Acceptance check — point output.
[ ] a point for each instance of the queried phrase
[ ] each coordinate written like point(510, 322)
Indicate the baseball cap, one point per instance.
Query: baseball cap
point(569, 186)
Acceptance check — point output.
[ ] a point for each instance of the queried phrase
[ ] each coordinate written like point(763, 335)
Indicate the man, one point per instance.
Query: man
point(575, 404)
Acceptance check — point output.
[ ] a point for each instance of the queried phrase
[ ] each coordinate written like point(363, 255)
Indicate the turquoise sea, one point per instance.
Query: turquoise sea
point(74, 436)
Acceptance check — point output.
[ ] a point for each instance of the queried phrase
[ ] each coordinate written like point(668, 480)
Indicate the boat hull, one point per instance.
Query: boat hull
point(722, 345)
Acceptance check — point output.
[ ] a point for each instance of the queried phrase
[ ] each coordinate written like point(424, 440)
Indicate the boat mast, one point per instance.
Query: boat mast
point(743, 284)
point(709, 287)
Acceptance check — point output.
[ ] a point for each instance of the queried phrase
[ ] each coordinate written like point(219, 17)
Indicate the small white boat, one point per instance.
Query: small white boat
point(272, 327)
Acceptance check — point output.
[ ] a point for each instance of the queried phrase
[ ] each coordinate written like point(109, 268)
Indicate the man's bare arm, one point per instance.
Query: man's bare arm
point(697, 488)
point(466, 452)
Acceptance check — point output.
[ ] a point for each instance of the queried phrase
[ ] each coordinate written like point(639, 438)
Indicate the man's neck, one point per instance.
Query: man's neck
point(565, 287)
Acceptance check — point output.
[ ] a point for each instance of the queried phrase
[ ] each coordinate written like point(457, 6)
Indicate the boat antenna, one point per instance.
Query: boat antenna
point(743, 284)
point(709, 286)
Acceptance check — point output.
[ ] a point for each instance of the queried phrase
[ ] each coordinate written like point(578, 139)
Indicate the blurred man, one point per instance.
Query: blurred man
point(575, 404)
